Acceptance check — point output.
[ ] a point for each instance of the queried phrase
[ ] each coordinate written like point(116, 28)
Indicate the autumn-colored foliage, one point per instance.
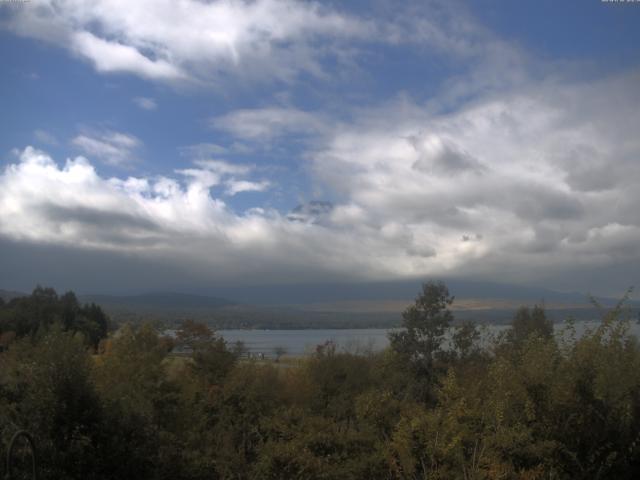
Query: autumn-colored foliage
point(528, 404)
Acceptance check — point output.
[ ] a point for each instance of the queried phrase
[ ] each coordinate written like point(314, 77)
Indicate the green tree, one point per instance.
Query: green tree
point(466, 339)
point(27, 315)
point(47, 389)
point(527, 322)
point(93, 323)
point(424, 326)
point(192, 334)
point(142, 405)
point(211, 358)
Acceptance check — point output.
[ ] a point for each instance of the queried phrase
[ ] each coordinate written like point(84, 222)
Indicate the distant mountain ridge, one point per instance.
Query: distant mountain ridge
point(7, 295)
point(301, 294)
point(158, 300)
point(312, 294)
point(355, 305)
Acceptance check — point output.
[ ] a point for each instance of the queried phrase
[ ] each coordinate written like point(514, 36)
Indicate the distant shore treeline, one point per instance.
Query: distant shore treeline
point(220, 314)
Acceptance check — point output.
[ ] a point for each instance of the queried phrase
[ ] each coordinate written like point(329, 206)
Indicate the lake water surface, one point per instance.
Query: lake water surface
point(302, 342)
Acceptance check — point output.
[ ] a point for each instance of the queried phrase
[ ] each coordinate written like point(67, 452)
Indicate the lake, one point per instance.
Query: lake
point(303, 342)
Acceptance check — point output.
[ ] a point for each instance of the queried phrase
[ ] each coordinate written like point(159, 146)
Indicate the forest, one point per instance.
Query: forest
point(444, 401)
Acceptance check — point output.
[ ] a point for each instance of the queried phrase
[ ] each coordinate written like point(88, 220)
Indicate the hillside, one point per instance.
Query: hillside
point(7, 295)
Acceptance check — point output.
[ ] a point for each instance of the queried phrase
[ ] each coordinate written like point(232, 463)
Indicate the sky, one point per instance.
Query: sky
point(189, 145)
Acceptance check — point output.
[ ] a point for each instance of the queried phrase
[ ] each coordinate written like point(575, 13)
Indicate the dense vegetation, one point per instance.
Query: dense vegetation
point(26, 316)
point(437, 404)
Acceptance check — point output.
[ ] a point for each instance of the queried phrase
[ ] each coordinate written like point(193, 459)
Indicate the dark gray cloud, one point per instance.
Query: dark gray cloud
point(444, 157)
point(534, 203)
point(314, 211)
point(99, 219)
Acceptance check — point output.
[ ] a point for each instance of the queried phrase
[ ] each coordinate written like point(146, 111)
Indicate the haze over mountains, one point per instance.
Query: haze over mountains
point(316, 294)
point(337, 306)
point(159, 300)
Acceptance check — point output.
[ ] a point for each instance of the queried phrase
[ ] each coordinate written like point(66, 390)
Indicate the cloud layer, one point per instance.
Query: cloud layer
point(190, 40)
point(506, 169)
point(524, 186)
point(536, 178)
point(210, 43)
point(176, 218)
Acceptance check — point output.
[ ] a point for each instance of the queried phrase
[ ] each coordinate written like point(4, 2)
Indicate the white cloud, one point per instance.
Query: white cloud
point(211, 173)
point(222, 167)
point(237, 186)
point(108, 56)
point(530, 176)
point(262, 40)
point(534, 183)
point(145, 103)
point(113, 148)
point(266, 124)
point(171, 220)
point(201, 41)
point(506, 172)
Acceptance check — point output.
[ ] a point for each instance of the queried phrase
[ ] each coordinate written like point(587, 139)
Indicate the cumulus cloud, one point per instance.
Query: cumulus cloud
point(436, 153)
point(312, 212)
point(538, 174)
point(506, 172)
point(182, 220)
point(211, 173)
point(505, 186)
point(113, 148)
